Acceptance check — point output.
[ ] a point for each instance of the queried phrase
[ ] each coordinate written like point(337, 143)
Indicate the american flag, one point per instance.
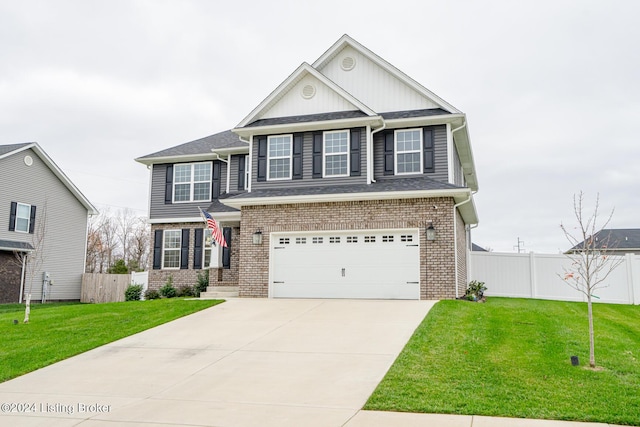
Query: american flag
point(216, 231)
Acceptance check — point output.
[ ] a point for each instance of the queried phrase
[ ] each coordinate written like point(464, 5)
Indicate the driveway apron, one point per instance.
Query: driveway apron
point(246, 362)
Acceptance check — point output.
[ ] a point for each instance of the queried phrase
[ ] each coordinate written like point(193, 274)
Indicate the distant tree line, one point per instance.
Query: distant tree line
point(117, 242)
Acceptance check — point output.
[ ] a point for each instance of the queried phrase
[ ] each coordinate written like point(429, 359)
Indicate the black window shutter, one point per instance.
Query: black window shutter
point(32, 219)
point(427, 141)
point(241, 170)
point(262, 158)
point(184, 249)
point(197, 248)
point(317, 155)
point(226, 252)
point(157, 249)
point(168, 186)
point(297, 155)
point(215, 179)
point(355, 152)
point(12, 216)
point(388, 153)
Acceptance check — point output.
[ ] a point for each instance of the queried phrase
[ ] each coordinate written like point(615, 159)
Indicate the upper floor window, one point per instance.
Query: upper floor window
point(408, 151)
point(23, 217)
point(247, 171)
point(336, 153)
point(279, 157)
point(192, 182)
point(171, 249)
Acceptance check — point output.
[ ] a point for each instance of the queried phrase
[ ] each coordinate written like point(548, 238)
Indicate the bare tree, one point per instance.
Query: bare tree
point(591, 264)
point(125, 222)
point(139, 243)
point(33, 261)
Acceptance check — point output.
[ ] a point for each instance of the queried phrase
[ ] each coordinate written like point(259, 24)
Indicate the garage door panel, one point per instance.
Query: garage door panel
point(352, 264)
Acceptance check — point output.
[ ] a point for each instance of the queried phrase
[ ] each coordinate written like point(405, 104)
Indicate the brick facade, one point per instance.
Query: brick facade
point(189, 277)
point(437, 258)
point(9, 278)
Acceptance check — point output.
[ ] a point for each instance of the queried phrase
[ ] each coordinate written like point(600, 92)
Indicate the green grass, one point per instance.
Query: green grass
point(511, 358)
point(58, 331)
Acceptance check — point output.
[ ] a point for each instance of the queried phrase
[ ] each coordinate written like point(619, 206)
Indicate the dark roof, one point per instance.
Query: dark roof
point(477, 248)
point(404, 184)
point(619, 239)
point(17, 246)
point(226, 139)
point(216, 206)
point(414, 113)
point(308, 118)
point(4, 149)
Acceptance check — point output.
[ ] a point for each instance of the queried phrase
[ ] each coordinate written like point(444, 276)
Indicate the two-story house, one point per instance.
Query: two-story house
point(350, 180)
point(45, 217)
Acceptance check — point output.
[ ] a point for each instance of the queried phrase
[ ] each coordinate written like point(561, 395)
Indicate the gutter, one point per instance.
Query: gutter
point(228, 162)
point(370, 151)
point(248, 166)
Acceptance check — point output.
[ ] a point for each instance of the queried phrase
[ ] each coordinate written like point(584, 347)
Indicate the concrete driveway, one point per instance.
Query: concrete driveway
point(246, 362)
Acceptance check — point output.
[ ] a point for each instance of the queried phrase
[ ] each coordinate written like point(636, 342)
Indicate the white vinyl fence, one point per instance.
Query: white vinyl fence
point(536, 276)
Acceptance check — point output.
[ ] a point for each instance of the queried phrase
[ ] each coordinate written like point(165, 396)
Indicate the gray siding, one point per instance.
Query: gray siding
point(440, 156)
point(307, 168)
point(64, 244)
point(458, 176)
point(185, 210)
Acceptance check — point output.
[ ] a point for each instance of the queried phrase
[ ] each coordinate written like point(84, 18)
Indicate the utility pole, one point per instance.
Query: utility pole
point(520, 245)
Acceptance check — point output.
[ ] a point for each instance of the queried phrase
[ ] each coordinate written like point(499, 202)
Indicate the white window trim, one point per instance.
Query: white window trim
point(164, 249)
point(15, 225)
point(324, 153)
point(247, 171)
point(192, 182)
point(396, 152)
point(290, 157)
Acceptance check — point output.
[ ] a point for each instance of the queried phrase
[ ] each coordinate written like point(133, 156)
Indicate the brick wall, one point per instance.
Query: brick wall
point(437, 258)
point(189, 277)
point(9, 278)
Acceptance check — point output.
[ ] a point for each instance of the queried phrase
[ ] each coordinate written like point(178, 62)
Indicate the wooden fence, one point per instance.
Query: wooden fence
point(97, 287)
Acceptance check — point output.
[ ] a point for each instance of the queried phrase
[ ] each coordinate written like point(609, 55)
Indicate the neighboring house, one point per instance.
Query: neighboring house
point(36, 193)
point(618, 241)
point(327, 189)
point(477, 248)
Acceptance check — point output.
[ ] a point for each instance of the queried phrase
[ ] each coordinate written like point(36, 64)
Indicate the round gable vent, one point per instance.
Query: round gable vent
point(308, 91)
point(28, 160)
point(348, 63)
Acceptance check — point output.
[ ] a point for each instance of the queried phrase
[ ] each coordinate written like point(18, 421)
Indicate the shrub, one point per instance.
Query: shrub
point(168, 291)
point(119, 267)
point(151, 294)
point(475, 291)
point(185, 291)
point(203, 282)
point(133, 292)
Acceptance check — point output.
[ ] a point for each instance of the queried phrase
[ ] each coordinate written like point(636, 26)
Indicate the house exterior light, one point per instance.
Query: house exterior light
point(431, 233)
point(257, 238)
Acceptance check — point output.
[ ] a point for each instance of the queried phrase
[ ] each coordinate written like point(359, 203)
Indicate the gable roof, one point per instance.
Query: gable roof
point(346, 40)
point(199, 149)
point(303, 70)
point(614, 239)
point(10, 150)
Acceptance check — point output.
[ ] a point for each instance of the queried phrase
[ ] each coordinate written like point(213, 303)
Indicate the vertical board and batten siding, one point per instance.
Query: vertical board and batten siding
point(325, 100)
point(440, 156)
point(64, 244)
point(373, 85)
point(536, 276)
point(160, 209)
point(307, 167)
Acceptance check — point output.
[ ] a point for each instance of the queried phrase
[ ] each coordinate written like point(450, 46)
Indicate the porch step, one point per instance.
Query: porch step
point(218, 292)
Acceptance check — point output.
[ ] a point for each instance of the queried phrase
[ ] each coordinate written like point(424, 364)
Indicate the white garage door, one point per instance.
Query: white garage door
point(355, 264)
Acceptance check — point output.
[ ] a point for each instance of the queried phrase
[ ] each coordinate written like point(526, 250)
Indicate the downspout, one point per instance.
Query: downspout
point(228, 162)
point(370, 149)
point(455, 239)
point(248, 166)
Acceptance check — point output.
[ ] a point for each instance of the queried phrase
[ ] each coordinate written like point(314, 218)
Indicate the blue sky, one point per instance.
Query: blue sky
point(551, 89)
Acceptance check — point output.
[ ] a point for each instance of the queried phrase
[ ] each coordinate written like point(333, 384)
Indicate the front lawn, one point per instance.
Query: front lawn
point(59, 331)
point(511, 358)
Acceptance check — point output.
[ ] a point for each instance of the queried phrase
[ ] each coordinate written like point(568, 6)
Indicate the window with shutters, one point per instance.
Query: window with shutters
point(171, 249)
point(408, 149)
point(192, 182)
point(279, 157)
point(247, 172)
point(23, 218)
point(336, 153)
